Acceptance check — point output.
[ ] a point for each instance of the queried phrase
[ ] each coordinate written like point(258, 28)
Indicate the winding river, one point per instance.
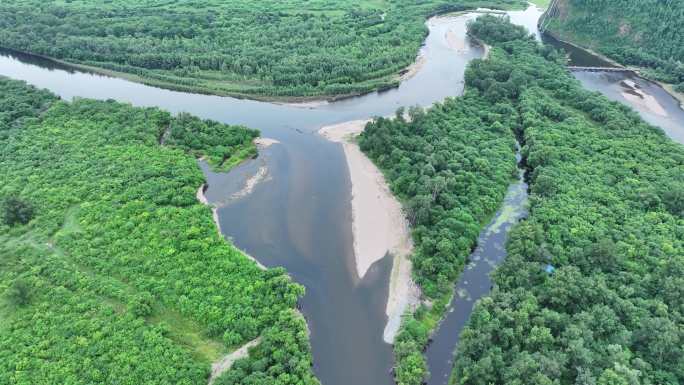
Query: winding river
point(298, 215)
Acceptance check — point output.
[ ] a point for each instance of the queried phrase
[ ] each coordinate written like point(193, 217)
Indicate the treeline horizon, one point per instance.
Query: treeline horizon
point(265, 48)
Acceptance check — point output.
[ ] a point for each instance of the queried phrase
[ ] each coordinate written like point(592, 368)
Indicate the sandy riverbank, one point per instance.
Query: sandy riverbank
point(214, 211)
point(414, 68)
point(378, 224)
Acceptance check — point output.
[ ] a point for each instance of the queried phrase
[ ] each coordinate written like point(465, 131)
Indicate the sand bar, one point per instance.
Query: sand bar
point(261, 175)
point(378, 224)
point(646, 101)
point(455, 42)
point(311, 104)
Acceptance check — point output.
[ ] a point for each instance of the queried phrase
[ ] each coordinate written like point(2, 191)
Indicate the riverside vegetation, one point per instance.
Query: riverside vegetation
point(592, 289)
point(450, 166)
point(643, 33)
point(265, 49)
point(591, 292)
point(110, 270)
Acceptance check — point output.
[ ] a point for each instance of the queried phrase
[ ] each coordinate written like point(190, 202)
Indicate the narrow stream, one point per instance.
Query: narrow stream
point(299, 216)
point(475, 281)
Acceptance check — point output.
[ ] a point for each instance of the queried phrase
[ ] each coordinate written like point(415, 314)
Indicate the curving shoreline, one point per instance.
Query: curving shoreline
point(378, 224)
point(214, 211)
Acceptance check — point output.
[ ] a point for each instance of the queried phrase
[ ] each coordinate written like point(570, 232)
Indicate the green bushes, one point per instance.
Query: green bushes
point(129, 280)
point(19, 293)
point(644, 33)
point(605, 215)
point(278, 358)
point(450, 166)
point(292, 48)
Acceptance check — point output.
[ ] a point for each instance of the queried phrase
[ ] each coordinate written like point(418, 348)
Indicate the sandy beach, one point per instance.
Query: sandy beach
point(203, 199)
point(378, 224)
point(414, 68)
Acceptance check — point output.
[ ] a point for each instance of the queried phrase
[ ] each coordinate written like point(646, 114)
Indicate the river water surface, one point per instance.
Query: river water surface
point(299, 215)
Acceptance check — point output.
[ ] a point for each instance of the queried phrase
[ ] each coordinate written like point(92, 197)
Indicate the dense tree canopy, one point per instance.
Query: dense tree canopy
point(238, 47)
point(644, 33)
point(120, 276)
point(591, 290)
point(606, 214)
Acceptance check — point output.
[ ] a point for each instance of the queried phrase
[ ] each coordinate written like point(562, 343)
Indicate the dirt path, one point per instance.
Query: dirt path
point(224, 364)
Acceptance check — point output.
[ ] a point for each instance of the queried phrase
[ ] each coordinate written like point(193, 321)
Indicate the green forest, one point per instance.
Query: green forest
point(607, 217)
point(111, 271)
point(642, 33)
point(261, 49)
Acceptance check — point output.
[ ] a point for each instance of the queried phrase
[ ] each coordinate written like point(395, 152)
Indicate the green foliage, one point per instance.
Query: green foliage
point(644, 33)
point(15, 211)
point(130, 282)
point(411, 368)
point(606, 213)
point(240, 47)
point(141, 304)
point(221, 144)
point(496, 32)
